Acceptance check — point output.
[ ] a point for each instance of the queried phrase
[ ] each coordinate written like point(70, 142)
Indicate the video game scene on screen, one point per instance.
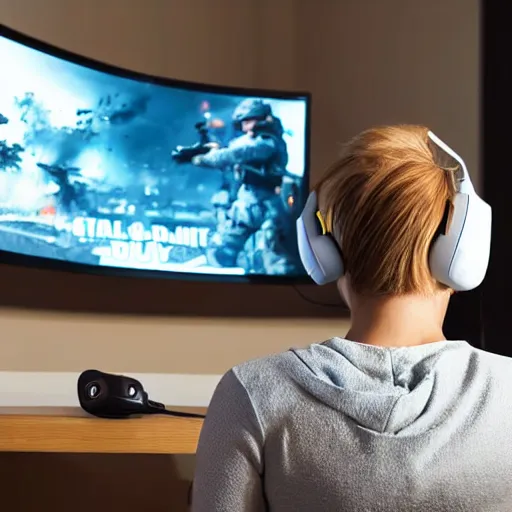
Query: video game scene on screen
point(102, 170)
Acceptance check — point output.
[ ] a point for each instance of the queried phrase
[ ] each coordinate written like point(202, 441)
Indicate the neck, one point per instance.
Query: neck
point(398, 321)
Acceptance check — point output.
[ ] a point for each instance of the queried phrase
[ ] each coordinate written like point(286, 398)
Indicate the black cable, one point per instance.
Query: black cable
point(340, 304)
point(179, 414)
point(153, 407)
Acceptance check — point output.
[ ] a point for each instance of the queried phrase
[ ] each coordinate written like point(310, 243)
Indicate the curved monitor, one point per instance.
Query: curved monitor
point(103, 169)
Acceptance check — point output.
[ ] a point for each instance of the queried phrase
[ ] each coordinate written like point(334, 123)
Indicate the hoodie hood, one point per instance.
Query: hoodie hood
point(403, 390)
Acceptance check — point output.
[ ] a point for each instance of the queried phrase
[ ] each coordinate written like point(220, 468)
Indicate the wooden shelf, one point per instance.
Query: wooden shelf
point(74, 434)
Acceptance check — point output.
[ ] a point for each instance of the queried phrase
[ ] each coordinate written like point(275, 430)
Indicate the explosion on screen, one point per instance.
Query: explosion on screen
point(102, 170)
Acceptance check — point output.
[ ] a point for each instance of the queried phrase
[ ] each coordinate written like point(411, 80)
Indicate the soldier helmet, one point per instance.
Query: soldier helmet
point(251, 108)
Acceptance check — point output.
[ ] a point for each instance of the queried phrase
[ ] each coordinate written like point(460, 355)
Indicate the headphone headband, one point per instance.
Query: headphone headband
point(464, 184)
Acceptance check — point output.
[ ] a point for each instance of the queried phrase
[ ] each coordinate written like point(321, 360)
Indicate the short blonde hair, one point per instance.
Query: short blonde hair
point(384, 201)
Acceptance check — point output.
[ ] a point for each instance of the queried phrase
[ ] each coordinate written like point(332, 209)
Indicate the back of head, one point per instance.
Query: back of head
point(387, 195)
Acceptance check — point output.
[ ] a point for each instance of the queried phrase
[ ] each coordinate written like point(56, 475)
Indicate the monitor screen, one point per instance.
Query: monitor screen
point(108, 169)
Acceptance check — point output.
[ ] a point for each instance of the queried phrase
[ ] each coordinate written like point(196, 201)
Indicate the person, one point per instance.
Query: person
point(392, 416)
point(258, 157)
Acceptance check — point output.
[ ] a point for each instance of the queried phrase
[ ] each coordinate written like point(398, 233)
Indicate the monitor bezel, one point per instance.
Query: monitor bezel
point(24, 260)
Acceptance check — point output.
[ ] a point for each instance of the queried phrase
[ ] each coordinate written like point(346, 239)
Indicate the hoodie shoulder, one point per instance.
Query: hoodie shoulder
point(263, 373)
point(496, 366)
point(496, 360)
point(269, 382)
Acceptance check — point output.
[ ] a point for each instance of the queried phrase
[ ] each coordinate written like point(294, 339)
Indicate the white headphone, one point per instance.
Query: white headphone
point(458, 258)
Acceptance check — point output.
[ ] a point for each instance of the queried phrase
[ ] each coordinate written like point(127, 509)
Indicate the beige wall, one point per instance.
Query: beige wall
point(395, 61)
point(365, 61)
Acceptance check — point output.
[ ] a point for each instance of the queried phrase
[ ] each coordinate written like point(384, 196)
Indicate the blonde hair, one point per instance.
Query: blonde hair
point(384, 201)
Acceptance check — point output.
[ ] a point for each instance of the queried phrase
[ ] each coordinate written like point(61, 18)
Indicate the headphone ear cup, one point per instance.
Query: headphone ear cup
point(459, 258)
point(319, 252)
point(328, 258)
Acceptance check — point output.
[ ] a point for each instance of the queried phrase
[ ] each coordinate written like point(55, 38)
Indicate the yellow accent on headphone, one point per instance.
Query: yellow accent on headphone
point(322, 223)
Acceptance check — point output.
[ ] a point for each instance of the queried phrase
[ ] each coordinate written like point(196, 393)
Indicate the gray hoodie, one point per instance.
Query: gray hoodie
point(342, 426)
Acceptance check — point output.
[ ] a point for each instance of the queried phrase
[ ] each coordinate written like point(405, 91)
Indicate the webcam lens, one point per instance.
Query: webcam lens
point(93, 390)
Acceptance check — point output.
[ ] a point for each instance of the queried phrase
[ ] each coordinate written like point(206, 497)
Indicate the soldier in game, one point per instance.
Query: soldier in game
point(258, 159)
